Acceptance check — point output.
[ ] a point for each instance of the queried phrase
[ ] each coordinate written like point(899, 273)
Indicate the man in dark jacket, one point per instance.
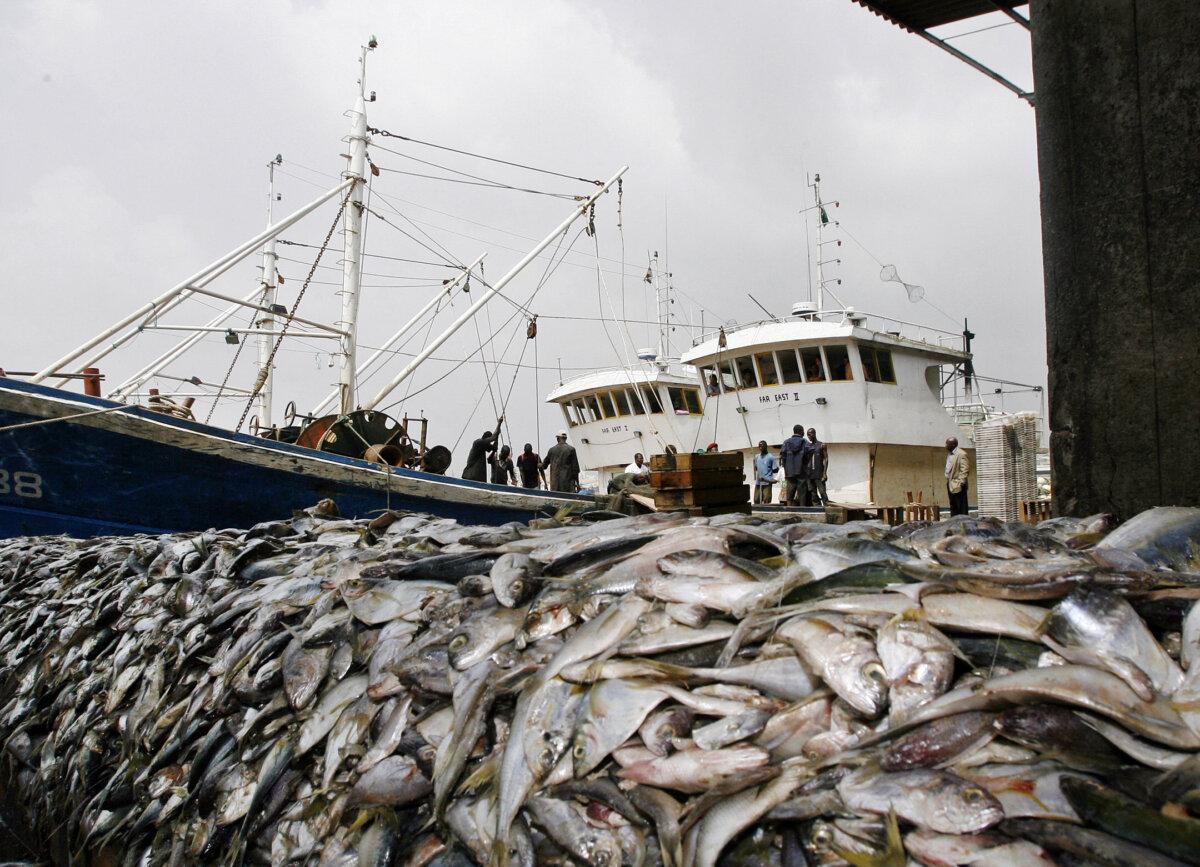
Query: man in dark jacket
point(529, 463)
point(563, 464)
point(476, 468)
point(817, 469)
point(793, 455)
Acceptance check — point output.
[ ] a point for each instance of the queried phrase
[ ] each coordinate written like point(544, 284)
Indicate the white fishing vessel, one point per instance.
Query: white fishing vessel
point(874, 388)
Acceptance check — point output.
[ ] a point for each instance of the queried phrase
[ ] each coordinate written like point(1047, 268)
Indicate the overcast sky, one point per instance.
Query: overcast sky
point(136, 138)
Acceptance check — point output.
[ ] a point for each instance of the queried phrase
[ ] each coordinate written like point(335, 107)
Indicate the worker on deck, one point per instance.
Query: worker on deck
point(563, 465)
point(792, 454)
point(817, 470)
point(638, 469)
point(476, 468)
point(502, 467)
point(529, 464)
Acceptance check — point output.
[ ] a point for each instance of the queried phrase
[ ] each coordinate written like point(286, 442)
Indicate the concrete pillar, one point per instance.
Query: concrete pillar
point(1117, 86)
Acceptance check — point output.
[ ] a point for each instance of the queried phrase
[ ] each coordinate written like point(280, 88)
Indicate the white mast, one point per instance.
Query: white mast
point(352, 233)
point(266, 322)
point(816, 186)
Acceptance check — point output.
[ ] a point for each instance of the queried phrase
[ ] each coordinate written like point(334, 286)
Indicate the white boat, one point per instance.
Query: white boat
point(871, 386)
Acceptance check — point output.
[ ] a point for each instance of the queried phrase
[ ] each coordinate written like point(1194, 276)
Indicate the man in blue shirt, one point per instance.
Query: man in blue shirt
point(793, 456)
point(765, 468)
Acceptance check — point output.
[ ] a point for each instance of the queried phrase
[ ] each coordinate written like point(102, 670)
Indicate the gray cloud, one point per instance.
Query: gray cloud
point(137, 137)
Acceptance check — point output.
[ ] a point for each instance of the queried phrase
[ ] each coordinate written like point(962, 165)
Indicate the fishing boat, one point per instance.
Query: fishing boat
point(88, 464)
point(879, 392)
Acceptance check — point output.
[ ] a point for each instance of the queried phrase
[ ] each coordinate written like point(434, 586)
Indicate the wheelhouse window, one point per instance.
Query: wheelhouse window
point(593, 406)
point(728, 377)
point(814, 368)
point(570, 412)
point(650, 399)
point(684, 401)
point(745, 369)
point(789, 368)
point(765, 362)
point(838, 361)
point(877, 364)
point(606, 401)
point(711, 387)
point(622, 399)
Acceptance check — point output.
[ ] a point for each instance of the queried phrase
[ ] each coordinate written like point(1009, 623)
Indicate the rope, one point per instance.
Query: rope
point(384, 132)
point(287, 323)
point(25, 424)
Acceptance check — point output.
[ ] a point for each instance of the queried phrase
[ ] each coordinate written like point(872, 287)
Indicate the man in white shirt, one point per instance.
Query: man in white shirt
point(639, 469)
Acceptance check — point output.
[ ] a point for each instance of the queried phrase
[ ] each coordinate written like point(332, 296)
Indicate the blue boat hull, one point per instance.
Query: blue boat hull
point(130, 470)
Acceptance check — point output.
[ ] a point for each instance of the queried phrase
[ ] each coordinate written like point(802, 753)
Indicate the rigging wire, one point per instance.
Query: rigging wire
point(371, 256)
point(287, 323)
point(879, 262)
point(384, 132)
point(482, 181)
point(459, 362)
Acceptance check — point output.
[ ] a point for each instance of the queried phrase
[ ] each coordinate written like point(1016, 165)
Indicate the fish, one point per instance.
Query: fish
point(930, 799)
point(645, 689)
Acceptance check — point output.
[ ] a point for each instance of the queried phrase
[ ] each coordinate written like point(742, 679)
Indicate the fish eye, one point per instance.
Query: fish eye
point(580, 751)
point(973, 795)
point(822, 837)
point(874, 671)
point(458, 642)
point(517, 586)
point(546, 759)
point(600, 857)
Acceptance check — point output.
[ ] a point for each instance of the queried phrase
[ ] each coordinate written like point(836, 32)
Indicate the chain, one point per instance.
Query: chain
point(237, 353)
point(295, 306)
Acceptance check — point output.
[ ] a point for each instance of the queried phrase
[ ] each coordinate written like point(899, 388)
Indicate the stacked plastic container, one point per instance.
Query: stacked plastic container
point(1006, 464)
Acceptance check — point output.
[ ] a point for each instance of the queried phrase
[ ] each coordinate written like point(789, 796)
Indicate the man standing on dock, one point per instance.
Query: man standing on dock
point(817, 466)
point(476, 468)
point(529, 466)
point(765, 470)
point(793, 456)
point(563, 464)
point(958, 470)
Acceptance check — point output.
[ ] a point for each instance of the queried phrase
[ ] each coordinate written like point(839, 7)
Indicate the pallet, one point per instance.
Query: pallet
point(896, 515)
point(697, 461)
point(672, 497)
point(721, 478)
point(1036, 511)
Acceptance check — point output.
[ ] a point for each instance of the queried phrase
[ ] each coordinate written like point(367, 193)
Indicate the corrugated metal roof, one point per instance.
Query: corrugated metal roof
point(918, 15)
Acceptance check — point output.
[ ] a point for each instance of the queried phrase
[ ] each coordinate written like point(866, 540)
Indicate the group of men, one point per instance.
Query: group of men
point(528, 469)
point(803, 459)
point(805, 465)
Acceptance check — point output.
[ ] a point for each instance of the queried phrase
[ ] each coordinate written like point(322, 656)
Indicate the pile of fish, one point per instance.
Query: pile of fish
point(628, 691)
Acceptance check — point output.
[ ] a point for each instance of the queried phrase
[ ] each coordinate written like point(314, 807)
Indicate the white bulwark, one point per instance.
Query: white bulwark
point(871, 387)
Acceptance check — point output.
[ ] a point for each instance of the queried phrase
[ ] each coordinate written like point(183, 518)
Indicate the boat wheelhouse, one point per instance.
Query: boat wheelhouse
point(870, 387)
point(611, 415)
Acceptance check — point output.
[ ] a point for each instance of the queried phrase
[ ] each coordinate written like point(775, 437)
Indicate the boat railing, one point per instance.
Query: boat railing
point(863, 319)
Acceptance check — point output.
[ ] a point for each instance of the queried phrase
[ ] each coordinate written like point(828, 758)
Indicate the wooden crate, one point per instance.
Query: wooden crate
point(722, 478)
point(835, 514)
point(671, 497)
point(694, 461)
point(1035, 511)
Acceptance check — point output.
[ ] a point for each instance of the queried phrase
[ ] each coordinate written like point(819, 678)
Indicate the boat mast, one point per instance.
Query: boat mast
point(352, 234)
point(821, 218)
point(267, 321)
